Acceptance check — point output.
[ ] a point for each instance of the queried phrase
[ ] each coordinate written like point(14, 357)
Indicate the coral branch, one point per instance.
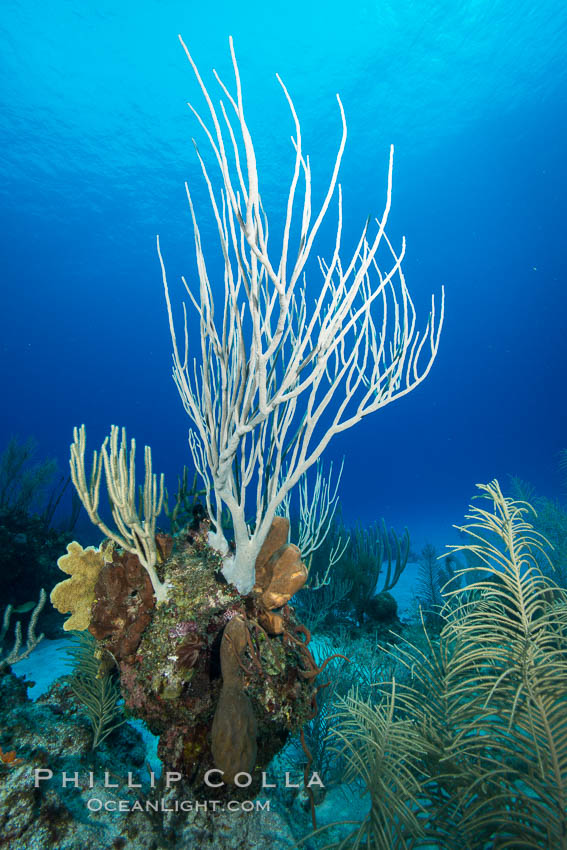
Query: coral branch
point(32, 640)
point(277, 381)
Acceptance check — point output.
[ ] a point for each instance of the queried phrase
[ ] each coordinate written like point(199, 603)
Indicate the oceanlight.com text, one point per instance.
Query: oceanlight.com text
point(95, 804)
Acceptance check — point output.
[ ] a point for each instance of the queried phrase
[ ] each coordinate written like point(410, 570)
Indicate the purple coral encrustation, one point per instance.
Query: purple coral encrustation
point(229, 614)
point(183, 629)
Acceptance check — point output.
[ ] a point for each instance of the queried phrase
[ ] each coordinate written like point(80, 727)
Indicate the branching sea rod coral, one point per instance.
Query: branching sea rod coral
point(17, 652)
point(277, 381)
point(135, 528)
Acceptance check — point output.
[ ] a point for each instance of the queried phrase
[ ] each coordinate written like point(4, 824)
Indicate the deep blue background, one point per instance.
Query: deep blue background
point(95, 148)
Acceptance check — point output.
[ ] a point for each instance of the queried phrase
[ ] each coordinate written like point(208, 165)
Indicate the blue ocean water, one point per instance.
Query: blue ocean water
point(96, 146)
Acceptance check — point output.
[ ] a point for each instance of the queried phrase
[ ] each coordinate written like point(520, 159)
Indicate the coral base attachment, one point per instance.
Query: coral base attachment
point(222, 678)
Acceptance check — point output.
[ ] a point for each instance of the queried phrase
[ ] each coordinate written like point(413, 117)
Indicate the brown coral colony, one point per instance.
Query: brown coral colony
point(123, 603)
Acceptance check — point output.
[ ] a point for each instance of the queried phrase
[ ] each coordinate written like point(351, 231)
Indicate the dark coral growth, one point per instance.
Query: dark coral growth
point(123, 604)
point(188, 652)
point(30, 540)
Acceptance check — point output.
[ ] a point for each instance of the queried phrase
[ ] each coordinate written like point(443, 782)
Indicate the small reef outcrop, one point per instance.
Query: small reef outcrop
point(221, 678)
